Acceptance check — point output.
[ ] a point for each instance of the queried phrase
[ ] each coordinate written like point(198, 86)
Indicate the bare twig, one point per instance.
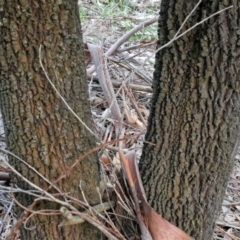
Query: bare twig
point(131, 97)
point(224, 224)
point(185, 32)
point(106, 231)
point(136, 71)
point(225, 233)
point(117, 84)
point(83, 195)
point(124, 38)
point(72, 220)
point(101, 146)
point(5, 216)
point(186, 19)
point(231, 204)
point(58, 93)
point(29, 166)
point(47, 212)
point(135, 47)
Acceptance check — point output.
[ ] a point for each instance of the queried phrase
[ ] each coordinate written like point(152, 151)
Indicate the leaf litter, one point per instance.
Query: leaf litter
point(130, 70)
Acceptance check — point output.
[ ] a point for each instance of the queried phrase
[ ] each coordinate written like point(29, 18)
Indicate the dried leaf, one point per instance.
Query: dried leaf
point(87, 55)
point(158, 226)
point(104, 159)
point(230, 218)
point(116, 163)
point(132, 118)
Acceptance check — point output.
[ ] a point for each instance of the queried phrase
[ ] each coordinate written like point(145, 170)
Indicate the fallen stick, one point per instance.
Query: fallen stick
point(106, 84)
point(117, 84)
point(130, 68)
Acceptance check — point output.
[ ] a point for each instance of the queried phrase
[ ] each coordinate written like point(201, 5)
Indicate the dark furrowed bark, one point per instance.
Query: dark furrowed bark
point(38, 126)
point(194, 120)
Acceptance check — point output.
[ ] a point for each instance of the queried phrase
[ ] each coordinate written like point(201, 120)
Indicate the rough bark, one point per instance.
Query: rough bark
point(194, 119)
point(38, 126)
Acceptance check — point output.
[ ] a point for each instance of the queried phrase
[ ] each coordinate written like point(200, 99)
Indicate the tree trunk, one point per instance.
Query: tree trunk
point(39, 128)
point(194, 119)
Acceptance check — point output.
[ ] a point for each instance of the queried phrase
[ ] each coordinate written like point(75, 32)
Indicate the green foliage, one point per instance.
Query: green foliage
point(118, 16)
point(83, 14)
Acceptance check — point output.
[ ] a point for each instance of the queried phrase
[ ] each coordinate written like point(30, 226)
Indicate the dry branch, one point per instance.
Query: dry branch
point(136, 71)
point(124, 38)
point(105, 83)
point(117, 84)
point(58, 93)
point(136, 47)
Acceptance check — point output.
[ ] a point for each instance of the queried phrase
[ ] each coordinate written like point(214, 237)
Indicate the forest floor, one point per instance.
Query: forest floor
point(104, 23)
point(130, 66)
